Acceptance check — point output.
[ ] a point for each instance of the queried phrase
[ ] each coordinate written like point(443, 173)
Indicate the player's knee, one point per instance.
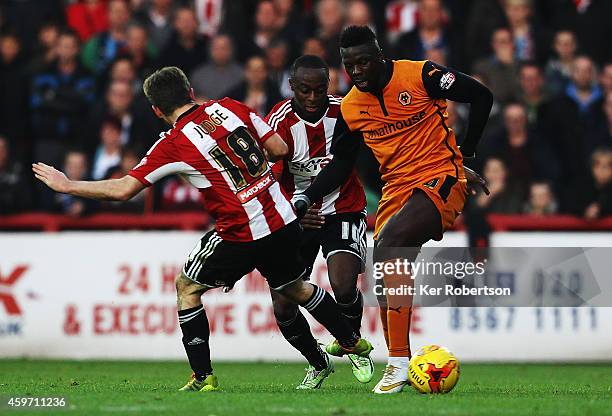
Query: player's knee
point(297, 292)
point(284, 309)
point(344, 291)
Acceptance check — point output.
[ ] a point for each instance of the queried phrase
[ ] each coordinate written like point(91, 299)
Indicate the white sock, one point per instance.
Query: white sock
point(400, 362)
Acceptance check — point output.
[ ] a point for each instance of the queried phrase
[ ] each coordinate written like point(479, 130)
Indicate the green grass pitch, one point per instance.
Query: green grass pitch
point(136, 388)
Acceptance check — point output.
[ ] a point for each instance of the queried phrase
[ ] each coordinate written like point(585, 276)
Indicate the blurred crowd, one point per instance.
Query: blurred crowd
point(71, 75)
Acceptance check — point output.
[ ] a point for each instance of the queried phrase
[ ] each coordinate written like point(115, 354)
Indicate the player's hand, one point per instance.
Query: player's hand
point(312, 219)
point(300, 203)
point(51, 177)
point(475, 182)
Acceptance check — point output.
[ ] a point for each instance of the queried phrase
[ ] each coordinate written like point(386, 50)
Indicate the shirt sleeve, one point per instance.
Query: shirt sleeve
point(161, 160)
point(345, 147)
point(345, 142)
point(442, 82)
point(277, 169)
point(263, 129)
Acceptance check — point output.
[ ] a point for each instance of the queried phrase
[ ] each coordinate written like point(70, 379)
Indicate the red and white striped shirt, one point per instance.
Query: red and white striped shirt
point(309, 151)
point(217, 148)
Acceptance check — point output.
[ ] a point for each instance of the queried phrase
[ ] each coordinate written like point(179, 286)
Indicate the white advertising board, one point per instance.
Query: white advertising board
point(111, 295)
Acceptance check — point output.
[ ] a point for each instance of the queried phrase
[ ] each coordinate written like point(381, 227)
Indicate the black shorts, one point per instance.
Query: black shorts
point(215, 262)
point(344, 232)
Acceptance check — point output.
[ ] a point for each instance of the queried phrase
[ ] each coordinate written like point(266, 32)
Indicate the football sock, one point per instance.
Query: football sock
point(353, 311)
point(325, 310)
point(383, 320)
point(297, 332)
point(398, 321)
point(194, 324)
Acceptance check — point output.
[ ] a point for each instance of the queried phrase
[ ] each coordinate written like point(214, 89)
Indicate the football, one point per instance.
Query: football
point(433, 369)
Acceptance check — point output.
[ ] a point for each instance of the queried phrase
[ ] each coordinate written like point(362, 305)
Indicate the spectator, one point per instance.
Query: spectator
point(591, 196)
point(606, 78)
point(266, 29)
point(506, 196)
point(75, 168)
point(108, 154)
point(574, 111)
point(157, 20)
point(291, 23)
point(257, 91)
point(533, 96)
point(529, 40)
point(330, 19)
point(138, 125)
point(61, 95)
point(140, 51)
point(130, 157)
point(277, 56)
point(314, 46)
point(103, 48)
point(87, 18)
point(500, 70)
point(358, 14)
point(13, 94)
point(123, 70)
point(429, 34)
point(484, 18)
point(600, 133)
point(222, 74)
point(186, 49)
point(527, 156)
point(541, 200)
point(14, 190)
point(559, 69)
point(44, 53)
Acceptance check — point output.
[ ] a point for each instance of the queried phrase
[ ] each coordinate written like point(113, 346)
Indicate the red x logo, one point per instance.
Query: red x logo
point(6, 283)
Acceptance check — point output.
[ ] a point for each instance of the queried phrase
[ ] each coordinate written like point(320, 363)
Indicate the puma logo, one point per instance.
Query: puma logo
point(433, 71)
point(395, 309)
point(364, 112)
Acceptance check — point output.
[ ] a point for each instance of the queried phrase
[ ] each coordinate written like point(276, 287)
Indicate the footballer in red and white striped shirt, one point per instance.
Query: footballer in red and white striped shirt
point(336, 224)
point(219, 148)
point(309, 145)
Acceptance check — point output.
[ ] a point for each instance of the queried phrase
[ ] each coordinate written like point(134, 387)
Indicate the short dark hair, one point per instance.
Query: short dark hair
point(356, 35)
point(530, 64)
point(308, 61)
point(69, 33)
point(167, 89)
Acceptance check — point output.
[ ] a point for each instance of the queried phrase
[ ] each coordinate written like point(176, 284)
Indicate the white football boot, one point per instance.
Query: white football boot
point(395, 376)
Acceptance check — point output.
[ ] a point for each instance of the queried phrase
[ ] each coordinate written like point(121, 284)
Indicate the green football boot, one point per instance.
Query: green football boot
point(210, 383)
point(314, 378)
point(363, 368)
point(362, 348)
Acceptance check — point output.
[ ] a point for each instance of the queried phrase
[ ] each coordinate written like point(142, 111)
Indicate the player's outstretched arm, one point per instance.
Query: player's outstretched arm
point(441, 82)
point(107, 190)
point(345, 147)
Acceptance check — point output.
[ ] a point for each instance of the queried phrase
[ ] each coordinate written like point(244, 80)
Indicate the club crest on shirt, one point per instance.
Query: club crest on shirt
point(447, 80)
point(404, 98)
